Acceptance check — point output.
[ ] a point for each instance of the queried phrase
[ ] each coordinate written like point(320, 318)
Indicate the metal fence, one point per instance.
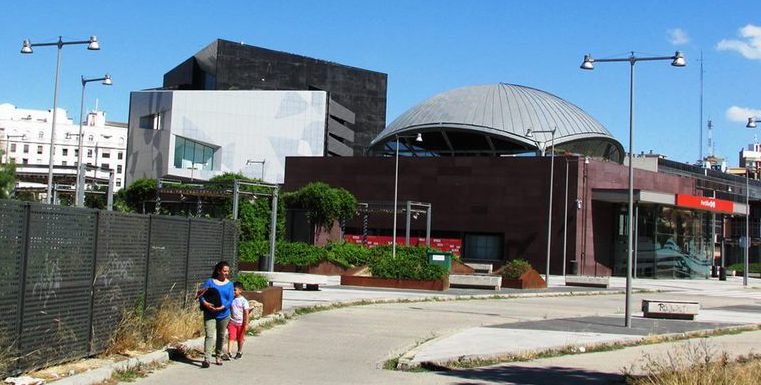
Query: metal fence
point(67, 274)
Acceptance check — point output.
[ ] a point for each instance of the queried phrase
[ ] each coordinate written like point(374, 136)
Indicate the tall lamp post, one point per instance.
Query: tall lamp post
point(530, 133)
point(751, 124)
point(80, 187)
point(677, 61)
point(419, 139)
point(26, 48)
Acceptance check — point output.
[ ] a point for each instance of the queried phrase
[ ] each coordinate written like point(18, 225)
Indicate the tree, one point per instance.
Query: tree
point(324, 204)
point(7, 178)
point(136, 194)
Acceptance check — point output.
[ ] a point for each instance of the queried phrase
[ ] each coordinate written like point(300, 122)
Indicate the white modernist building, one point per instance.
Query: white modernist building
point(25, 139)
point(195, 135)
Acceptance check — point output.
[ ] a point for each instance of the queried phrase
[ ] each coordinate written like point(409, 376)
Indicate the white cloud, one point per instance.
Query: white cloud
point(741, 114)
point(678, 36)
point(749, 47)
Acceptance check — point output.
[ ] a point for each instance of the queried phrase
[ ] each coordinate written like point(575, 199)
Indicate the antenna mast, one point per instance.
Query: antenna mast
point(700, 126)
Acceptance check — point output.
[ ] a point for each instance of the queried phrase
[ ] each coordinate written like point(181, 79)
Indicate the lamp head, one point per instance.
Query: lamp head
point(26, 47)
point(679, 60)
point(94, 45)
point(419, 138)
point(107, 80)
point(751, 123)
point(529, 133)
point(587, 63)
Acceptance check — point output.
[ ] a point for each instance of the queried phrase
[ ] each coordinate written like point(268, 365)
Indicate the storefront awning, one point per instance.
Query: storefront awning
point(677, 200)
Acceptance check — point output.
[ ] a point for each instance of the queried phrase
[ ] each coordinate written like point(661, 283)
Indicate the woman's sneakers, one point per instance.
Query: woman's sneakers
point(238, 355)
point(205, 364)
point(225, 357)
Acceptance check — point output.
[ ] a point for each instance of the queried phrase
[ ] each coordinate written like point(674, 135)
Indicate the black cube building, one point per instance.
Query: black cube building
point(226, 65)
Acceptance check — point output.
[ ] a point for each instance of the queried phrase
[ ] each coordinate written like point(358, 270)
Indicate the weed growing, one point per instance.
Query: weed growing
point(696, 364)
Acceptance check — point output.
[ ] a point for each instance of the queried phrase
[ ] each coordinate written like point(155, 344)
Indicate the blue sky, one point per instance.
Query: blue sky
point(425, 47)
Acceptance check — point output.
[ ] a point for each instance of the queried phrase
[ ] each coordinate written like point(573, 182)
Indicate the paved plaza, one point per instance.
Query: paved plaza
point(350, 345)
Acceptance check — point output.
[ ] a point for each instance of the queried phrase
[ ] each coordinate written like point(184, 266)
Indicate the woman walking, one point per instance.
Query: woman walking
point(217, 295)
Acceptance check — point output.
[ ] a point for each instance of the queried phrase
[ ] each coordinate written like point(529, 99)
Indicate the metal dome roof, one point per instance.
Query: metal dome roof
point(500, 114)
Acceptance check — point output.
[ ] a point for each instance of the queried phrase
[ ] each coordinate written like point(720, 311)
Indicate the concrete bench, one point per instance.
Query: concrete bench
point(670, 309)
point(299, 280)
point(587, 281)
point(485, 268)
point(475, 280)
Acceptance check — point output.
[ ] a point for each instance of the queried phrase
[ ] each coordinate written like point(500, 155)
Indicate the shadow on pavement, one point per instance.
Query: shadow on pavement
point(508, 374)
point(176, 355)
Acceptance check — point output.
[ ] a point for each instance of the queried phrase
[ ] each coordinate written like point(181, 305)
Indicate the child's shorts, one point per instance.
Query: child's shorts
point(236, 332)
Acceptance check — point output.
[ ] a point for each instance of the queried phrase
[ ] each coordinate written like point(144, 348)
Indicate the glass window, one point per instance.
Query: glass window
point(118, 182)
point(119, 155)
point(89, 152)
point(39, 150)
point(13, 147)
point(25, 161)
point(188, 153)
point(40, 135)
point(483, 246)
point(64, 163)
point(106, 155)
point(26, 149)
point(90, 138)
point(64, 151)
point(118, 168)
point(105, 165)
point(76, 152)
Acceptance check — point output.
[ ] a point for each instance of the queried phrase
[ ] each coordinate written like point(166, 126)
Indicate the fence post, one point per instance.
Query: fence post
point(22, 280)
point(91, 332)
point(187, 263)
point(147, 263)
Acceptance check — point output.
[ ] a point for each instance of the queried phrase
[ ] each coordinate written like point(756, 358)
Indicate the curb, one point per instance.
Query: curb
point(406, 362)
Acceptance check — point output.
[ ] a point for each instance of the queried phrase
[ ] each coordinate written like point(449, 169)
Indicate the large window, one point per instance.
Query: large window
point(190, 154)
point(483, 246)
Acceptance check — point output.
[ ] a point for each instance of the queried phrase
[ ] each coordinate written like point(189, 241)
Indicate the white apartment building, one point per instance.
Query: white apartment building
point(25, 139)
point(750, 159)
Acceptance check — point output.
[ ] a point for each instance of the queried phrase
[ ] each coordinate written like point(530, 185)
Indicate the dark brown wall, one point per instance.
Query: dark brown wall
point(468, 194)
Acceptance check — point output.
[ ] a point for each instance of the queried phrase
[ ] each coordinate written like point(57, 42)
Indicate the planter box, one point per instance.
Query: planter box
point(439, 285)
point(271, 299)
point(529, 280)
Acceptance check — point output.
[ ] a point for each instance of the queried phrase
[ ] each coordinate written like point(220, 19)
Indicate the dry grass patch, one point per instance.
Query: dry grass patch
point(172, 321)
point(697, 364)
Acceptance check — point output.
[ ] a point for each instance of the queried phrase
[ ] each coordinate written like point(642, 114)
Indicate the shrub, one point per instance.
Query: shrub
point(250, 251)
point(298, 254)
point(410, 263)
point(347, 254)
point(740, 267)
point(252, 282)
point(515, 268)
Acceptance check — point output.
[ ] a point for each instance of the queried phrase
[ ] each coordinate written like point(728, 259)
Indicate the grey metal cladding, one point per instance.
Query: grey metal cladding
point(120, 267)
point(58, 282)
point(12, 224)
point(505, 109)
point(168, 253)
point(205, 250)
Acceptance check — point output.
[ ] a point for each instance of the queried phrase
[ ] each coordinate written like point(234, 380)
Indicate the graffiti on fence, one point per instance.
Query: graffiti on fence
point(48, 280)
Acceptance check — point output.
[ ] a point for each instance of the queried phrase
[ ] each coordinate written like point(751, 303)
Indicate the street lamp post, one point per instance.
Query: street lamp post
point(588, 64)
point(530, 133)
point(26, 48)
point(751, 124)
point(8, 144)
point(80, 188)
point(419, 139)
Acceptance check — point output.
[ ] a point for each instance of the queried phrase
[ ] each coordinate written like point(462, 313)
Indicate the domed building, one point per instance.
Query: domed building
point(461, 183)
point(495, 120)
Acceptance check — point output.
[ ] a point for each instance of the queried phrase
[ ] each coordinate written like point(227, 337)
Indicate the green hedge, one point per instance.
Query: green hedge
point(410, 263)
point(740, 267)
point(343, 254)
point(252, 282)
point(347, 254)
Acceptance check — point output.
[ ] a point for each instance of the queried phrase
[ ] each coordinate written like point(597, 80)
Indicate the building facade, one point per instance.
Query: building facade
point(25, 139)
point(227, 65)
point(195, 135)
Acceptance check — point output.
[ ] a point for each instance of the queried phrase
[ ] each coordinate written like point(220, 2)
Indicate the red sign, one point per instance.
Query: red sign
point(704, 203)
point(451, 245)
